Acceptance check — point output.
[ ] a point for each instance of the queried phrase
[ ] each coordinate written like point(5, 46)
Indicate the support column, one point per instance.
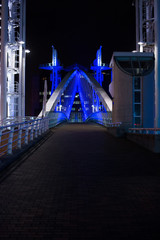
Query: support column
point(3, 76)
point(157, 62)
point(141, 24)
point(137, 24)
point(23, 58)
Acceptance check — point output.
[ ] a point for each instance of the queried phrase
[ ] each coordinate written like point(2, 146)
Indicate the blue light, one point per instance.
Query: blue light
point(79, 82)
point(98, 67)
point(89, 99)
point(111, 75)
point(55, 68)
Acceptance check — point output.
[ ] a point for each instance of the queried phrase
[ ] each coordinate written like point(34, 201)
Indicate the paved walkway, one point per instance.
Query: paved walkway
point(83, 184)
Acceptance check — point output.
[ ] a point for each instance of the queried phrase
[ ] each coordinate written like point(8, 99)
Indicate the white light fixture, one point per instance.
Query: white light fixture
point(21, 42)
point(140, 43)
point(27, 51)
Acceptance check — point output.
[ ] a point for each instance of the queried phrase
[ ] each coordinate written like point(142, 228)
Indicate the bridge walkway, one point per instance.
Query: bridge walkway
point(83, 184)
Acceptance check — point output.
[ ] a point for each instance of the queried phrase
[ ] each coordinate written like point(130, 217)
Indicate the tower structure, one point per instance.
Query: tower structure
point(12, 58)
point(98, 67)
point(55, 68)
point(145, 28)
point(148, 40)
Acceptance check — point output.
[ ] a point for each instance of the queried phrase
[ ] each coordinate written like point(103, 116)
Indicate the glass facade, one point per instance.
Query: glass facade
point(137, 119)
point(135, 65)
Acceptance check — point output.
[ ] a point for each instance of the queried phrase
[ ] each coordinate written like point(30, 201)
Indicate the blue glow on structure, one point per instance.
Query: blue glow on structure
point(55, 68)
point(78, 81)
point(88, 97)
point(54, 57)
point(98, 67)
point(68, 96)
point(103, 118)
point(56, 118)
point(111, 75)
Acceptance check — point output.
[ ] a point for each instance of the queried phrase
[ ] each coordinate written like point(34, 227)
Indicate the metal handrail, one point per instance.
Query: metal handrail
point(15, 134)
point(153, 131)
point(104, 119)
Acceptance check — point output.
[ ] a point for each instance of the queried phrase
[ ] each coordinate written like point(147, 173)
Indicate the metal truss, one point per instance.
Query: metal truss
point(55, 68)
point(93, 97)
point(99, 91)
point(13, 58)
point(55, 99)
point(145, 28)
point(67, 98)
point(148, 40)
point(98, 67)
point(89, 99)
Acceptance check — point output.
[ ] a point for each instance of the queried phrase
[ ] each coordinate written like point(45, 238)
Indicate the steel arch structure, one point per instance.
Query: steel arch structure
point(92, 96)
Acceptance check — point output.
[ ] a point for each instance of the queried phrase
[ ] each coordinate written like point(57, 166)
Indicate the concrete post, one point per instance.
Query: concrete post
point(157, 61)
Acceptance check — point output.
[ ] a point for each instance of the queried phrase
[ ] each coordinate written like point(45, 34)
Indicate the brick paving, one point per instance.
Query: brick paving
point(83, 184)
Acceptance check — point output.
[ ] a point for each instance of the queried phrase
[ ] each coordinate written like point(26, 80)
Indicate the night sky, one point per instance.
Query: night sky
point(77, 29)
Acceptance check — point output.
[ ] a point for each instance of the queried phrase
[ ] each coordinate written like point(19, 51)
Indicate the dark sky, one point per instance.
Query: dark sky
point(77, 29)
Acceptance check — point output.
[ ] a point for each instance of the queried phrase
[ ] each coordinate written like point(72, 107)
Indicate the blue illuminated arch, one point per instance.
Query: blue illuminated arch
point(93, 97)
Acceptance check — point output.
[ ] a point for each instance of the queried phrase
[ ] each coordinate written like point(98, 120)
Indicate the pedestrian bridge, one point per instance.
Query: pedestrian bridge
point(95, 103)
point(82, 183)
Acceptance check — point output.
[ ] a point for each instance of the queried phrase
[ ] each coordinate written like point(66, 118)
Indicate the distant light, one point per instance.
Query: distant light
point(27, 51)
point(134, 51)
point(21, 42)
point(140, 43)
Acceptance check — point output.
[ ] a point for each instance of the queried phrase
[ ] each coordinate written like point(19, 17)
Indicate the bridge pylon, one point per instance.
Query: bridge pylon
point(12, 58)
point(55, 68)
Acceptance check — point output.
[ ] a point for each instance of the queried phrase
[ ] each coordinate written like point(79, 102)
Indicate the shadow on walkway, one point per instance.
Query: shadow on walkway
point(82, 184)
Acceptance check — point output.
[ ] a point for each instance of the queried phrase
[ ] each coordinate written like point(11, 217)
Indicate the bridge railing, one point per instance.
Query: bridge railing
point(15, 120)
point(103, 118)
point(15, 135)
point(154, 131)
point(55, 118)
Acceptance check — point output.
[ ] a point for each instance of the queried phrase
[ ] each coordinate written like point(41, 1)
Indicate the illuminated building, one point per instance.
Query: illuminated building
point(135, 86)
point(132, 89)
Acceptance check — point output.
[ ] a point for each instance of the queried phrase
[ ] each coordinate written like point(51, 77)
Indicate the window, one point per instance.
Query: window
point(135, 65)
point(137, 97)
point(137, 83)
point(137, 122)
point(137, 110)
point(137, 102)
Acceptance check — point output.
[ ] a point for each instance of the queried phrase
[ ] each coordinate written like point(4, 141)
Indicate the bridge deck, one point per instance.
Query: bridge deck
point(83, 184)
